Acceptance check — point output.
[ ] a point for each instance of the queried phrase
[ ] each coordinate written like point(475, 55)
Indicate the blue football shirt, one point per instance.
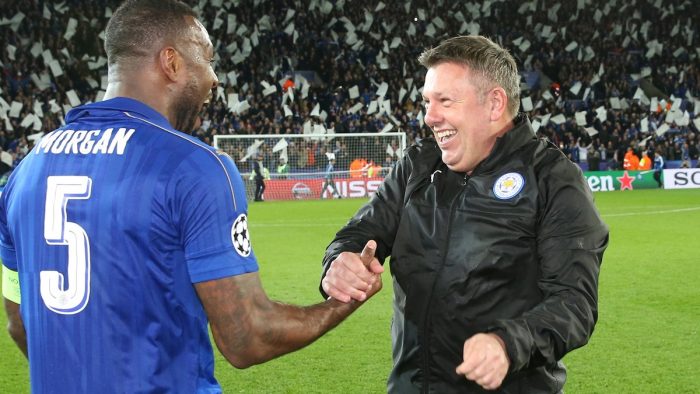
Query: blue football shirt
point(109, 221)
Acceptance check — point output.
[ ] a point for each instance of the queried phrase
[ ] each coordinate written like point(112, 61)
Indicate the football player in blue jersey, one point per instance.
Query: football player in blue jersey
point(122, 237)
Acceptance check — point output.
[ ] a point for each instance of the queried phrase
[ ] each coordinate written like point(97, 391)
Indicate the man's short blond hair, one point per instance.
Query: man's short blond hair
point(491, 64)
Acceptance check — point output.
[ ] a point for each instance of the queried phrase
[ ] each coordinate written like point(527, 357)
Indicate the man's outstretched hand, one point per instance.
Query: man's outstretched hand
point(354, 276)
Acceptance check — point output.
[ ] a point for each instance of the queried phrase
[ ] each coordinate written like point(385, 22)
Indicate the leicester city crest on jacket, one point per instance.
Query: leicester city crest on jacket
point(508, 185)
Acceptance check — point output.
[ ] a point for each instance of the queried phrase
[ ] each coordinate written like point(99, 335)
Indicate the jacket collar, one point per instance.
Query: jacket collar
point(119, 104)
point(514, 139)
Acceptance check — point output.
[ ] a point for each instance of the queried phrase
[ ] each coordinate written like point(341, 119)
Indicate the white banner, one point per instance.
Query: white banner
point(682, 178)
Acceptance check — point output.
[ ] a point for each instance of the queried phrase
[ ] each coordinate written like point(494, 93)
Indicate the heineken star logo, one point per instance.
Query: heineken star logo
point(625, 181)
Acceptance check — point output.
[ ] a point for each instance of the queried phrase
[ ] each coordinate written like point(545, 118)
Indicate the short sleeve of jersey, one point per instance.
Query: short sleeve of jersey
point(7, 248)
point(212, 214)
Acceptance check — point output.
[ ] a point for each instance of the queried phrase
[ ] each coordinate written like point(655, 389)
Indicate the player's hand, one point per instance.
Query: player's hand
point(354, 275)
point(485, 361)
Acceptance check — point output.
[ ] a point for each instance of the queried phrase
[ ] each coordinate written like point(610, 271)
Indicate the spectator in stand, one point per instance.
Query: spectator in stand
point(685, 155)
point(692, 147)
point(282, 169)
point(593, 159)
point(612, 153)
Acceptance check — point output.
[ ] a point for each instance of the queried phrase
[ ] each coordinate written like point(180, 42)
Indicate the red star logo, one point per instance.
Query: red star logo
point(625, 181)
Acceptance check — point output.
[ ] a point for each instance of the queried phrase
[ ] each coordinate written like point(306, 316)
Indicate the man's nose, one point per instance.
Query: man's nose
point(214, 80)
point(432, 116)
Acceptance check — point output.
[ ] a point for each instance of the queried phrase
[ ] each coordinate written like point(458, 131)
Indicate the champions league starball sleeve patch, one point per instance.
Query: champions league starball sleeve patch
point(239, 235)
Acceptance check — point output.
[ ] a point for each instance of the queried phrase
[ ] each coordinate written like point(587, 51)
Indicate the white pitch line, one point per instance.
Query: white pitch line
point(652, 212)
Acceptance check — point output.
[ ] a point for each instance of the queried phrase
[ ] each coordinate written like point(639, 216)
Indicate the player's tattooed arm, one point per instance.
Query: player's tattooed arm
point(15, 325)
point(250, 329)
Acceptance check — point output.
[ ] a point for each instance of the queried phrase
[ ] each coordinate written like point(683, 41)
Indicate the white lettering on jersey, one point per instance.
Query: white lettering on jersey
point(61, 141)
point(103, 143)
point(85, 142)
point(48, 140)
point(119, 140)
point(72, 146)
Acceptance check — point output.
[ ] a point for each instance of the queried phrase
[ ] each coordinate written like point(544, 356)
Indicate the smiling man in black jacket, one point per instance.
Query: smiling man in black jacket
point(494, 239)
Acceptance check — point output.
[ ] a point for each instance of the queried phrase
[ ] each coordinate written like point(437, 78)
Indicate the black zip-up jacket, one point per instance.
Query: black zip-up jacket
point(513, 249)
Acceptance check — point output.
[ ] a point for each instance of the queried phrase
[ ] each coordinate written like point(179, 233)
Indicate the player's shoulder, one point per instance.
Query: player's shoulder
point(158, 137)
point(171, 138)
point(200, 158)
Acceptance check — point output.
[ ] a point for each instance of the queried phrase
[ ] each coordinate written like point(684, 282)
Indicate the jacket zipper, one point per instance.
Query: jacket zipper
point(426, 322)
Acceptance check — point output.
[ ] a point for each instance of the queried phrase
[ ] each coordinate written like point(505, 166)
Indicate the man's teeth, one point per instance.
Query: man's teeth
point(446, 134)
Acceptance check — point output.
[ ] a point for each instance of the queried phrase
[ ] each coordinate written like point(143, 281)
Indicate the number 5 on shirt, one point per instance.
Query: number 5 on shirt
point(71, 296)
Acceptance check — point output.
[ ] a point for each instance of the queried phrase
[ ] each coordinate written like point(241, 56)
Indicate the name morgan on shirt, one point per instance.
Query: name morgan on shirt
point(85, 142)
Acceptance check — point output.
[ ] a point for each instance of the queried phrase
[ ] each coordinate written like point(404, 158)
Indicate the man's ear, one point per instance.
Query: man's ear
point(498, 101)
point(170, 63)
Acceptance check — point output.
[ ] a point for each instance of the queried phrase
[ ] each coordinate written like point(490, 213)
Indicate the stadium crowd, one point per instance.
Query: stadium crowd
point(598, 76)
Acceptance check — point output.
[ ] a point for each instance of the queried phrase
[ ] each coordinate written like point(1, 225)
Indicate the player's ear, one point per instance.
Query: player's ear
point(170, 62)
point(498, 102)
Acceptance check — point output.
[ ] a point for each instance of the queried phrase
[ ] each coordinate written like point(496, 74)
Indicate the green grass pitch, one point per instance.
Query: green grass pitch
point(646, 340)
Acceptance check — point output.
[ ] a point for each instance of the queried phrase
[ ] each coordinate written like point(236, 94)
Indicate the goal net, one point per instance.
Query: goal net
point(314, 166)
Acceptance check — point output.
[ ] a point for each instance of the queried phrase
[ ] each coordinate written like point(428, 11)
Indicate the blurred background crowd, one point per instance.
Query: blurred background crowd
point(599, 77)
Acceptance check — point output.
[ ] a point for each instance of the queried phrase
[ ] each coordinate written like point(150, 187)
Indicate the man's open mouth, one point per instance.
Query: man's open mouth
point(445, 135)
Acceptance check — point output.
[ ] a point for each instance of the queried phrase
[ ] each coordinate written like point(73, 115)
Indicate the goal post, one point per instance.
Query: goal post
point(296, 165)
